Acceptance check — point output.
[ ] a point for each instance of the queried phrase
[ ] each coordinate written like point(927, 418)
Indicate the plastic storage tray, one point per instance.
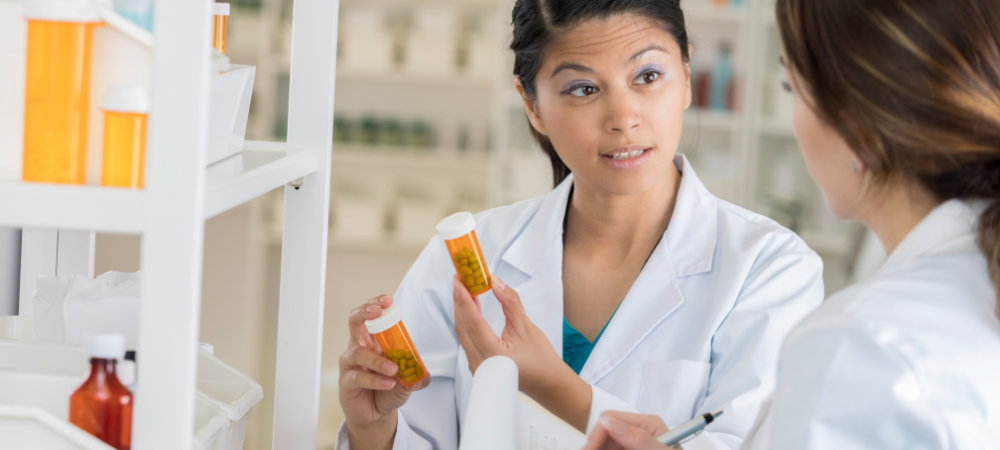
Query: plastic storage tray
point(230, 110)
point(35, 428)
point(44, 375)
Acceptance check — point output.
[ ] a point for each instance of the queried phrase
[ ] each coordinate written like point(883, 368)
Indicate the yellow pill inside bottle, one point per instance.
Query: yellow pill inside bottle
point(459, 234)
point(397, 345)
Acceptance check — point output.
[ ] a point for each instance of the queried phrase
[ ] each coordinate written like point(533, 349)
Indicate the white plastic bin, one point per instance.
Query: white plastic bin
point(43, 375)
point(24, 427)
point(15, 328)
point(230, 110)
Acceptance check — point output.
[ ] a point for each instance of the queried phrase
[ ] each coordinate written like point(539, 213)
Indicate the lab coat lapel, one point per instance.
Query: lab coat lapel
point(533, 266)
point(687, 248)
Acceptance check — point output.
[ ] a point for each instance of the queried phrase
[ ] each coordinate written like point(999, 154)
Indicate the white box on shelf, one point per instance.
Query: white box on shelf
point(432, 47)
point(35, 428)
point(358, 219)
point(230, 110)
point(44, 375)
point(416, 220)
point(367, 42)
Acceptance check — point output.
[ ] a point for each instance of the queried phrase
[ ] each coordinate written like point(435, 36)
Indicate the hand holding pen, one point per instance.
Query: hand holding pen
point(628, 431)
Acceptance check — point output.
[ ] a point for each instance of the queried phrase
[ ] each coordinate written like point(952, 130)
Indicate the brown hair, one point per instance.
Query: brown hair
point(537, 22)
point(913, 87)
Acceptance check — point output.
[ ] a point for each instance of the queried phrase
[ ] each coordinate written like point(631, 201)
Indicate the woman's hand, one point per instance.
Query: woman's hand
point(542, 375)
point(626, 431)
point(369, 391)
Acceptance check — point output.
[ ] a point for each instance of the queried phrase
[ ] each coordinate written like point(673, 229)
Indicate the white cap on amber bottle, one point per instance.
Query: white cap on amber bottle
point(456, 226)
point(389, 318)
point(105, 346)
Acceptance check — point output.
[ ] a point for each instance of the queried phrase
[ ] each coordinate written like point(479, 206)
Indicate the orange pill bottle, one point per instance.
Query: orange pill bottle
point(391, 335)
point(221, 13)
point(57, 89)
point(459, 233)
point(126, 110)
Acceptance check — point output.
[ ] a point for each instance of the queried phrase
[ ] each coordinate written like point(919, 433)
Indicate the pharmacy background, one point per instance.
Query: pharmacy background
point(426, 123)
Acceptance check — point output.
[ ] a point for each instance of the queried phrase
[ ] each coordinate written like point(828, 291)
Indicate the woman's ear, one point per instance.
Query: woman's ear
point(531, 108)
point(688, 92)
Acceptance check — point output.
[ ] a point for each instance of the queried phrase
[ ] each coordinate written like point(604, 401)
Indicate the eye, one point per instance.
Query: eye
point(583, 91)
point(787, 87)
point(647, 77)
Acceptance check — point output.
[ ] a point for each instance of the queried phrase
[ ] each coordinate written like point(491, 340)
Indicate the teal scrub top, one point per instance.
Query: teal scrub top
point(576, 348)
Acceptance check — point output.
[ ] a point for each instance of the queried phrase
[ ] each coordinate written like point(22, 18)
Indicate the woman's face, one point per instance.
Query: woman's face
point(827, 155)
point(611, 96)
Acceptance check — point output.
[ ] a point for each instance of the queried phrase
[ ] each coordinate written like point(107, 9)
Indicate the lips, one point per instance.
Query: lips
point(629, 157)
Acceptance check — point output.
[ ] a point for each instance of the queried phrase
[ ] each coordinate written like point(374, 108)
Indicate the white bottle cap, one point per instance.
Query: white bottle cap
point(456, 226)
point(389, 318)
point(127, 99)
point(220, 9)
point(126, 373)
point(81, 11)
point(105, 346)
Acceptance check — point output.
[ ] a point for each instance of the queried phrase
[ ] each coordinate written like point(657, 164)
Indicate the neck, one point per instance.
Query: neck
point(621, 223)
point(895, 211)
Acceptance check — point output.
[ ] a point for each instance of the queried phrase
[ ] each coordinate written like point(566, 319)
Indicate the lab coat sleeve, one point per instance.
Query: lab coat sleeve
point(844, 386)
point(429, 419)
point(781, 288)
point(601, 401)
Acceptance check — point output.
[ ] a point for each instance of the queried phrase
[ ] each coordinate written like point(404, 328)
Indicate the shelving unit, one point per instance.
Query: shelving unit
point(181, 193)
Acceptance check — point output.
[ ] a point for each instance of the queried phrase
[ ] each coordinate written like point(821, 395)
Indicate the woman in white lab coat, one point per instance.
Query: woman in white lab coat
point(897, 111)
point(688, 297)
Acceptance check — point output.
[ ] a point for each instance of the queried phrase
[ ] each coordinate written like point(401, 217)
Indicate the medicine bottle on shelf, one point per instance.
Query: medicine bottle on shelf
point(391, 335)
point(126, 110)
point(101, 406)
point(57, 89)
point(221, 13)
point(459, 234)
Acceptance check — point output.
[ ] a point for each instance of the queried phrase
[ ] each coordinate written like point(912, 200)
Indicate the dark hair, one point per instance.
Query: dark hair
point(537, 22)
point(913, 87)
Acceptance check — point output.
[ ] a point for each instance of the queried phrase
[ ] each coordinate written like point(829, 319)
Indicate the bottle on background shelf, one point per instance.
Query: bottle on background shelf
point(57, 89)
point(220, 11)
point(720, 90)
point(139, 12)
point(126, 110)
point(102, 406)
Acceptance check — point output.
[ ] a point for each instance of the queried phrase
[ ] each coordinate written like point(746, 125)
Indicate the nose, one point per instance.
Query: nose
point(622, 113)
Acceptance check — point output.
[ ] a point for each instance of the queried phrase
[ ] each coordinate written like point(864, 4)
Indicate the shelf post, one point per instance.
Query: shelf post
point(174, 227)
point(304, 240)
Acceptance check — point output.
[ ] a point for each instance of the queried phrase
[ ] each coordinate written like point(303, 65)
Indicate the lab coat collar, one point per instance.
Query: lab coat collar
point(693, 231)
point(691, 236)
point(950, 220)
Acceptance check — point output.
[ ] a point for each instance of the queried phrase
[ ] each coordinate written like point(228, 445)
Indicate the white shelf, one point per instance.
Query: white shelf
point(714, 120)
point(409, 159)
point(259, 168)
point(777, 127)
point(414, 80)
point(71, 207)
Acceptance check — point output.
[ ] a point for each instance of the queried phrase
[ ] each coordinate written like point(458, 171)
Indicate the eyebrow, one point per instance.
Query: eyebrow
point(582, 68)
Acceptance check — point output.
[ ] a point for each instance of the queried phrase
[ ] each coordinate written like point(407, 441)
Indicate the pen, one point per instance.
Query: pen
point(688, 430)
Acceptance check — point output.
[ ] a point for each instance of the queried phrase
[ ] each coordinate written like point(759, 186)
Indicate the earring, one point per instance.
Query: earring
point(854, 167)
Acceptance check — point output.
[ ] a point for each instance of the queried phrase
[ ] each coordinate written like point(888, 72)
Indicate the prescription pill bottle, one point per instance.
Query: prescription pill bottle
point(221, 13)
point(459, 234)
point(57, 89)
point(126, 110)
point(391, 335)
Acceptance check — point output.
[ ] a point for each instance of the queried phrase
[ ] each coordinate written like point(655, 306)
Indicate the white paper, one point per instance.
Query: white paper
point(67, 308)
point(501, 418)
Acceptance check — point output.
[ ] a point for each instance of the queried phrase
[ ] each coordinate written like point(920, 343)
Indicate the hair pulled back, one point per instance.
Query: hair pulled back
point(913, 87)
point(538, 22)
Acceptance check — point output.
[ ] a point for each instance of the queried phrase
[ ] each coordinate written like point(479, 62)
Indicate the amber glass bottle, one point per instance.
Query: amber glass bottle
point(102, 406)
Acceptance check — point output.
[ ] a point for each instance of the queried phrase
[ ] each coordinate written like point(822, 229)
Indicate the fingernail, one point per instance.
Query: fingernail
point(388, 383)
point(500, 284)
point(389, 368)
point(613, 426)
point(371, 308)
point(454, 285)
point(383, 300)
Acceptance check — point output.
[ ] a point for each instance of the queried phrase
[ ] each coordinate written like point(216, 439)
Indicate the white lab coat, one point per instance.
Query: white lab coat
point(700, 328)
point(909, 359)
